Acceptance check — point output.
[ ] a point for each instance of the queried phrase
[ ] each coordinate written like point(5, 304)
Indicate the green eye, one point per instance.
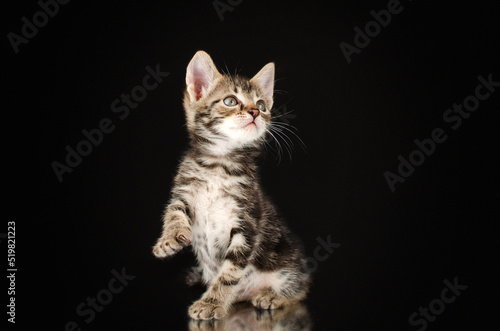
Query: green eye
point(230, 101)
point(261, 105)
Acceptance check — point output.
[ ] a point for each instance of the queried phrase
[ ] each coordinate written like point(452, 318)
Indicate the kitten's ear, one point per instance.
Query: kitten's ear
point(201, 75)
point(265, 79)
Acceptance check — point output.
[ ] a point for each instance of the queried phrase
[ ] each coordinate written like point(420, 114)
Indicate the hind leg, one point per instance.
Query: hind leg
point(193, 276)
point(269, 299)
point(283, 288)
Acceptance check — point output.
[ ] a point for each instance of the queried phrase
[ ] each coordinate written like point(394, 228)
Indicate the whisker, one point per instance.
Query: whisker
point(280, 148)
point(265, 148)
point(281, 115)
point(280, 92)
point(279, 79)
point(229, 75)
point(278, 129)
point(286, 138)
point(287, 127)
point(283, 136)
point(281, 111)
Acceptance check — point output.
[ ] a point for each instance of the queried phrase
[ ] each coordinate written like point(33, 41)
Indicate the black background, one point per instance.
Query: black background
point(355, 119)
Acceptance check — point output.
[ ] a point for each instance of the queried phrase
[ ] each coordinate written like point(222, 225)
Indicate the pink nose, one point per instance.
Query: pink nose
point(254, 112)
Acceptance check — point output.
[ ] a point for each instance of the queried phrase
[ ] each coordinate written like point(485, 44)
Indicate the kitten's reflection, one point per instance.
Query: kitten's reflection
point(244, 317)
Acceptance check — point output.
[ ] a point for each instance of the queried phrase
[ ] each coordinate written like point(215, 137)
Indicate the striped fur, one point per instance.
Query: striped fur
point(243, 249)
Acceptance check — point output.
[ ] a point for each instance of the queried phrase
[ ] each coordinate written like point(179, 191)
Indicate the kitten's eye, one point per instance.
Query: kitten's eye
point(261, 105)
point(230, 101)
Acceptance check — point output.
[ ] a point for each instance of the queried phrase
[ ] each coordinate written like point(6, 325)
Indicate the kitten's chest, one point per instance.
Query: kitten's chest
point(215, 213)
point(215, 210)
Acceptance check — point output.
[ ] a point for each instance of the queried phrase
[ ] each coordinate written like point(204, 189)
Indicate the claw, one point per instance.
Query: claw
point(184, 239)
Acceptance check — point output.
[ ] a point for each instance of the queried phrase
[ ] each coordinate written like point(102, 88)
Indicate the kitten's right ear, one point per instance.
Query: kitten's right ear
point(201, 75)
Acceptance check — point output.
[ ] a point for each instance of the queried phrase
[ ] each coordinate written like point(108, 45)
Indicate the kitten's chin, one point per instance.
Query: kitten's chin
point(250, 125)
point(241, 133)
point(251, 128)
point(248, 133)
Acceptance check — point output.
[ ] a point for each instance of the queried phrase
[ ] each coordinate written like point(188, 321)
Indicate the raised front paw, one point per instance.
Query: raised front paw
point(202, 310)
point(172, 241)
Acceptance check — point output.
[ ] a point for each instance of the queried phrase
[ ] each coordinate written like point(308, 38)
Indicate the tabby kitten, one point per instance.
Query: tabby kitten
point(244, 251)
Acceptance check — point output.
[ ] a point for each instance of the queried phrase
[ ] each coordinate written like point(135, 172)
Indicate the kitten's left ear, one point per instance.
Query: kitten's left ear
point(265, 79)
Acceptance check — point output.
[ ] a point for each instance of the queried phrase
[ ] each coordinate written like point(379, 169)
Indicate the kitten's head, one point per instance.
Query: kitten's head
point(227, 112)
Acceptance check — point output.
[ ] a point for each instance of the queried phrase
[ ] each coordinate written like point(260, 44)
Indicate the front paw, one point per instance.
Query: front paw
point(201, 310)
point(172, 241)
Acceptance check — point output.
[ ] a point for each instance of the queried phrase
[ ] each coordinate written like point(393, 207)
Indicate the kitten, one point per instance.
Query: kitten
point(244, 251)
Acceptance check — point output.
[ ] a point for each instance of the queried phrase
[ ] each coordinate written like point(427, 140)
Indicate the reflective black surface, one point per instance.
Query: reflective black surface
point(245, 317)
